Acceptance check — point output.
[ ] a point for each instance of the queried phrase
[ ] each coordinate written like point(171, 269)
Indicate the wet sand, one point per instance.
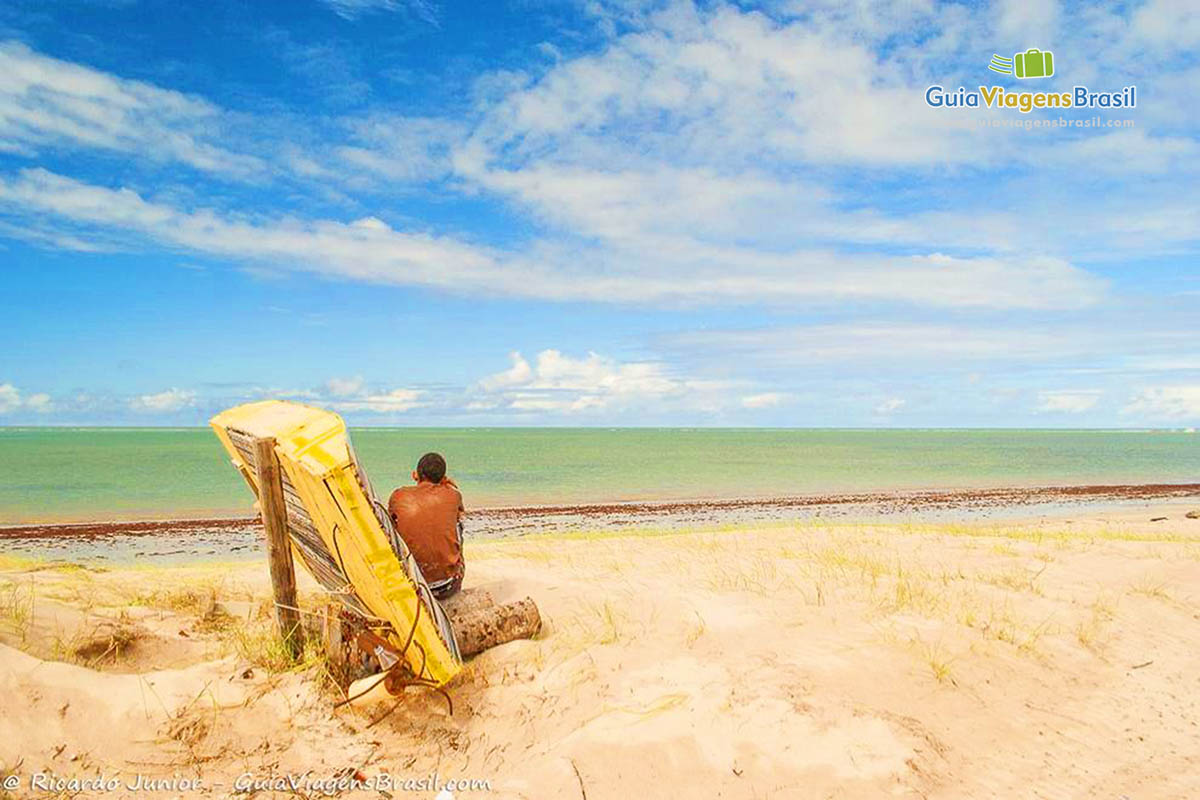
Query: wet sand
point(224, 538)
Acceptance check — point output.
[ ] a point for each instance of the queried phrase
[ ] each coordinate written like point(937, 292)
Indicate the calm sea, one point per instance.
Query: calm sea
point(62, 474)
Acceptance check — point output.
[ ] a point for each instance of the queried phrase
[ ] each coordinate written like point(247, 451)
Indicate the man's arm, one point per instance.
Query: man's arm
point(459, 525)
point(393, 501)
point(450, 482)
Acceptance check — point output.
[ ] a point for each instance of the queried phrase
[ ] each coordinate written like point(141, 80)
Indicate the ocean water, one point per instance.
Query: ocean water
point(65, 474)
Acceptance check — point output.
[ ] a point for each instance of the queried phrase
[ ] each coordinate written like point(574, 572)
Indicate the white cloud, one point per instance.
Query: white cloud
point(10, 398)
point(51, 239)
point(164, 402)
point(39, 403)
point(286, 393)
point(763, 400)
point(659, 144)
point(395, 401)
point(365, 252)
point(353, 9)
point(1074, 401)
point(559, 383)
point(344, 387)
point(45, 101)
point(884, 343)
point(1129, 151)
point(353, 394)
point(684, 271)
point(1023, 24)
point(889, 406)
point(707, 85)
point(1170, 24)
point(519, 374)
point(663, 165)
point(680, 208)
point(393, 148)
point(371, 224)
point(1166, 403)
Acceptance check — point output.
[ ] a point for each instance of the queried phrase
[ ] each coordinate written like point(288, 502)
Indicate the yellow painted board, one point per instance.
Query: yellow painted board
point(322, 471)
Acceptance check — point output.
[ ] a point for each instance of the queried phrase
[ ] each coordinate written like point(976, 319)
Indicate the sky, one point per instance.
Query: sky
point(597, 213)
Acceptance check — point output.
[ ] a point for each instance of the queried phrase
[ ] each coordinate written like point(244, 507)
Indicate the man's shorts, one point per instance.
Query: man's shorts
point(446, 587)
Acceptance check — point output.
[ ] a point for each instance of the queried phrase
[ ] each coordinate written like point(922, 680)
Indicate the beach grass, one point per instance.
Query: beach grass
point(894, 573)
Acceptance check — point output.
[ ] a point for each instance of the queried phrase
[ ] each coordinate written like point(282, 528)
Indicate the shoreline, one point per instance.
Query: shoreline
point(204, 538)
point(891, 500)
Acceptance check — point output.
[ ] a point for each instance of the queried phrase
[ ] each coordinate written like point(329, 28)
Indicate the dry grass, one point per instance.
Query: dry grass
point(105, 642)
point(938, 662)
point(16, 608)
point(189, 598)
point(991, 586)
point(261, 645)
point(1089, 632)
point(1150, 586)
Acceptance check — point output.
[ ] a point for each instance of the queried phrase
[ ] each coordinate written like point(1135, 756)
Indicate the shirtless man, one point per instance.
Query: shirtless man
point(428, 516)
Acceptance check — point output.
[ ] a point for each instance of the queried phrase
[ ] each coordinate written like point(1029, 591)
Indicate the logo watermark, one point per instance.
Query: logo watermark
point(1025, 102)
point(1032, 63)
point(1030, 123)
point(303, 784)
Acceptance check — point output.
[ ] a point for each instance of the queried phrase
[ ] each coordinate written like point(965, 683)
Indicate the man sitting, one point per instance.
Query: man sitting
point(428, 517)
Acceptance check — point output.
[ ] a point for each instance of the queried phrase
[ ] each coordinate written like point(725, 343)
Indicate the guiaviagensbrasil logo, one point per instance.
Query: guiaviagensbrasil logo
point(1031, 63)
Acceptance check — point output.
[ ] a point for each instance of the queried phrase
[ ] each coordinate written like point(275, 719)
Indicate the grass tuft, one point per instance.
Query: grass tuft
point(1150, 587)
point(16, 609)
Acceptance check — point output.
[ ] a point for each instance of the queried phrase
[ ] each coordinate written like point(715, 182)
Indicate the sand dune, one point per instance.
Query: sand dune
point(1041, 660)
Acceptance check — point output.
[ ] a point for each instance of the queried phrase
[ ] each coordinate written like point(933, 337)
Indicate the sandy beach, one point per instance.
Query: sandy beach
point(1050, 658)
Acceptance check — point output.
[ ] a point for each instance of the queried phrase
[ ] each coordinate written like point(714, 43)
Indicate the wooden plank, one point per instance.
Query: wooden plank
point(279, 551)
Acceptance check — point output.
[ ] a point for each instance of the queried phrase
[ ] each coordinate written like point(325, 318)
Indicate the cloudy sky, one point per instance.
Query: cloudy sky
point(596, 213)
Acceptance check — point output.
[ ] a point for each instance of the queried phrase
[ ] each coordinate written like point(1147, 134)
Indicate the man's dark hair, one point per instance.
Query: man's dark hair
point(431, 467)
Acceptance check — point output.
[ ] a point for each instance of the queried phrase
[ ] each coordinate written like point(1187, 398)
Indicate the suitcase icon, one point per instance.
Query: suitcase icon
point(1034, 63)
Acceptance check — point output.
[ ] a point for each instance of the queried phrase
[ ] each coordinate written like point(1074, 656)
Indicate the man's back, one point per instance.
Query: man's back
point(426, 516)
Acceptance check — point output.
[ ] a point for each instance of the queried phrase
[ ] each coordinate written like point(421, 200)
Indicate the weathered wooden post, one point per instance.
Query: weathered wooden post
point(279, 550)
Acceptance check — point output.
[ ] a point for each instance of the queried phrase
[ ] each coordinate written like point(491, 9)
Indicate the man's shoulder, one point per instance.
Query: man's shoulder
point(400, 493)
point(448, 493)
point(449, 488)
point(446, 488)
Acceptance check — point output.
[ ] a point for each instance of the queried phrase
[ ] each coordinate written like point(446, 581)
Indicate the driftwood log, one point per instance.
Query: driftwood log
point(479, 624)
point(467, 601)
point(489, 626)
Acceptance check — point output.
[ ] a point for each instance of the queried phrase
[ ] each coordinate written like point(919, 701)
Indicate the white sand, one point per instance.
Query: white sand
point(1046, 660)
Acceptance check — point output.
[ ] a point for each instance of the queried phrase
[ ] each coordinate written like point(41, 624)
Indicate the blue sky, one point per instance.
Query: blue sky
point(593, 213)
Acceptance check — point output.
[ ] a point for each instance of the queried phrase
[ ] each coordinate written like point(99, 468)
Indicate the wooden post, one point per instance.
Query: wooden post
point(279, 550)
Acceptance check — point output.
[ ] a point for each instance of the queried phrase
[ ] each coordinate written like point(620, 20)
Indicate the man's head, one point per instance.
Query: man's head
point(431, 467)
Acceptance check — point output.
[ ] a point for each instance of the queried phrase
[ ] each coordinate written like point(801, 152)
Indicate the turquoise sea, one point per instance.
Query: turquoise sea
point(64, 474)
